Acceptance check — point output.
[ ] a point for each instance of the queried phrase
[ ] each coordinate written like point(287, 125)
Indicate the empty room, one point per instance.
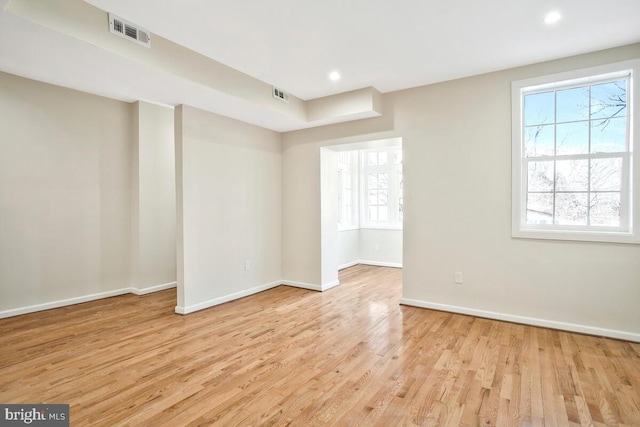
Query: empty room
point(411, 213)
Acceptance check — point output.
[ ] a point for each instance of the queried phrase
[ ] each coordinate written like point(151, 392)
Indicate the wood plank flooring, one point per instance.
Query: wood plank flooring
point(287, 356)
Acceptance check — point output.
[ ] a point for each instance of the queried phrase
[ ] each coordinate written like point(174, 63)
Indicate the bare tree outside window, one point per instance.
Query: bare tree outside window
point(575, 142)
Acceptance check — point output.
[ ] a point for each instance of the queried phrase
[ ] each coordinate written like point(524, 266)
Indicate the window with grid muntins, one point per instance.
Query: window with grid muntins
point(383, 185)
point(347, 171)
point(574, 156)
point(378, 203)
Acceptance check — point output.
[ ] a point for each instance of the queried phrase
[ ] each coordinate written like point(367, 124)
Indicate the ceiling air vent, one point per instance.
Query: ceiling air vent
point(280, 94)
point(123, 28)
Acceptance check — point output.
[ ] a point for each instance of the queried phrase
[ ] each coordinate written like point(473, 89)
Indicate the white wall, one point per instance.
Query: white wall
point(458, 216)
point(370, 246)
point(457, 171)
point(380, 247)
point(301, 185)
point(329, 218)
point(301, 260)
point(65, 205)
point(229, 187)
point(373, 246)
point(65, 195)
point(153, 197)
point(348, 247)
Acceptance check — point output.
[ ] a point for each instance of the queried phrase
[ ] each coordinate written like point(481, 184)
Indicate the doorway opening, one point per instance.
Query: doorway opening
point(362, 205)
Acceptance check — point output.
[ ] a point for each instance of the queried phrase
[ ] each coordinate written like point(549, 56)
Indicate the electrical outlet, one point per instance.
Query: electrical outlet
point(458, 277)
point(247, 265)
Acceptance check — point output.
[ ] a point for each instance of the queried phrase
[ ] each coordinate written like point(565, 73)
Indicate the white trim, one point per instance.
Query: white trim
point(155, 288)
point(330, 285)
point(63, 302)
point(393, 171)
point(162, 287)
point(347, 265)
point(630, 217)
point(310, 286)
point(85, 298)
point(381, 227)
point(374, 263)
point(226, 298)
point(572, 327)
point(302, 285)
point(381, 263)
point(583, 236)
point(347, 228)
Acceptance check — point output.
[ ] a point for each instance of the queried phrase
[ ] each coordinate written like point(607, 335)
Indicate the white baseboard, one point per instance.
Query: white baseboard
point(84, 298)
point(62, 303)
point(241, 294)
point(302, 285)
point(367, 262)
point(380, 263)
point(347, 265)
point(311, 287)
point(330, 285)
point(226, 298)
point(156, 288)
point(552, 324)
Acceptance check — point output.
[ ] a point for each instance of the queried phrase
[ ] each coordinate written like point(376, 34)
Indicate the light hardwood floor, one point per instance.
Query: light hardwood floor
point(287, 356)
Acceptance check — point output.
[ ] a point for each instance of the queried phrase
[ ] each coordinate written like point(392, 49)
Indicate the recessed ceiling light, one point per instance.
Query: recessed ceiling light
point(552, 17)
point(334, 76)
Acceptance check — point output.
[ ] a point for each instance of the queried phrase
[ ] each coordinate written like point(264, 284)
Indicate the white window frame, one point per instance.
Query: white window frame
point(353, 169)
point(394, 221)
point(629, 231)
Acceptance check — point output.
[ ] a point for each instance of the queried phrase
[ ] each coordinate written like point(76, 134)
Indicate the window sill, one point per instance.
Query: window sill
point(382, 227)
point(348, 228)
point(579, 236)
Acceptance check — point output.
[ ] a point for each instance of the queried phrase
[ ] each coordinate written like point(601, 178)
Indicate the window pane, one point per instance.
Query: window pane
point(572, 104)
point(539, 208)
point(372, 158)
point(383, 180)
point(538, 108)
point(576, 156)
point(606, 174)
point(373, 213)
point(382, 213)
point(538, 141)
point(572, 138)
point(382, 198)
point(373, 197)
point(572, 175)
point(382, 158)
point(571, 209)
point(609, 136)
point(609, 100)
point(605, 209)
point(540, 176)
point(373, 180)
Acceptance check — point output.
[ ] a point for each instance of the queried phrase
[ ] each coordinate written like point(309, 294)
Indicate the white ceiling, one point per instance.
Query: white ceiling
point(294, 44)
